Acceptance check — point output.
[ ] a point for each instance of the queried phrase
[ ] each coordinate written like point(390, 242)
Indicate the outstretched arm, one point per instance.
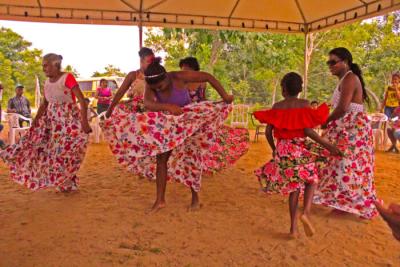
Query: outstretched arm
point(82, 103)
point(322, 141)
point(121, 91)
point(202, 77)
point(42, 109)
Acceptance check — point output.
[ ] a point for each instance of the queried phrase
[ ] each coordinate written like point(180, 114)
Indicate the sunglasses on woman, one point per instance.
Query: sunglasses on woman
point(332, 62)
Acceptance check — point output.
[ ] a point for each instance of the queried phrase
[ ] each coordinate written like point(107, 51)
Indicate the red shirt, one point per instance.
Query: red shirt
point(290, 123)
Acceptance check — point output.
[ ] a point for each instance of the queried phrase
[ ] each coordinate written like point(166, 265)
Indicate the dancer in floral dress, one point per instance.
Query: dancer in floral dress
point(232, 142)
point(50, 154)
point(171, 139)
point(197, 91)
point(347, 184)
point(133, 86)
point(294, 164)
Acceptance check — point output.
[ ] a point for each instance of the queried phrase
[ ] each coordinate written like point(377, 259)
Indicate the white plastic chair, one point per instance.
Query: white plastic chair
point(378, 123)
point(260, 127)
point(14, 127)
point(96, 127)
point(240, 116)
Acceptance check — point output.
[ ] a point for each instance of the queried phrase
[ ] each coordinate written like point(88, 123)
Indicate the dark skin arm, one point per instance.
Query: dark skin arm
point(180, 78)
point(202, 77)
point(81, 99)
point(42, 109)
point(270, 138)
point(384, 101)
point(129, 79)
point(322, 141)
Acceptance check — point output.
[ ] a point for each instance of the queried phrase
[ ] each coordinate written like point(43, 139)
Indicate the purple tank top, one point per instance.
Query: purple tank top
point(179, 97)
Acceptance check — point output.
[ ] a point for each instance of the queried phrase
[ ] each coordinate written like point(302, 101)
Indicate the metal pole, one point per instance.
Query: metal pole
point(140, 35)
point(305, 64)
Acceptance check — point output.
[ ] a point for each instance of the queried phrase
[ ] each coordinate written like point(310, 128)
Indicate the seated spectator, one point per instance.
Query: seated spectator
point(394, 130)
point(19, 104)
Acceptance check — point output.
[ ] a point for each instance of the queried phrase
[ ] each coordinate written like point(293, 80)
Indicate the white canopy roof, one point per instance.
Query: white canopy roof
point(252, 15)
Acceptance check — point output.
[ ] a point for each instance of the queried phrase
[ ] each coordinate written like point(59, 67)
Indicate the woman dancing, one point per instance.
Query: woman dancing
point(347, 183)
point(50, 154)
point(172, 139)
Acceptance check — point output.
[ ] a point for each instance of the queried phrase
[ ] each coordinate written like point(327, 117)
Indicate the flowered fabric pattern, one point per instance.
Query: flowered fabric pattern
point(347, 183)
point(136, 138)
point(230, 145)
point(296, 163)
point(50, 154)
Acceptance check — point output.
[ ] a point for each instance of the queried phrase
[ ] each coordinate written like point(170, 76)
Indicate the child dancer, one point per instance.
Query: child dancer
point(294, 166)
point(50, 154)
point(172, 139)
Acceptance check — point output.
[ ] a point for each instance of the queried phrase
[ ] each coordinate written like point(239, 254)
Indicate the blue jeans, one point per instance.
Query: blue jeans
point(389, 111)
point(102, 107)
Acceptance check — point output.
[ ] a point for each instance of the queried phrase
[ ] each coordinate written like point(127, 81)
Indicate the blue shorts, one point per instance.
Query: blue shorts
point(396, 134)
point(389, 111)
point(1, 127)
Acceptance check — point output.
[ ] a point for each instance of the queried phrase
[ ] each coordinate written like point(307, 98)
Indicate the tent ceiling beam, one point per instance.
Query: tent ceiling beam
point(155, 15)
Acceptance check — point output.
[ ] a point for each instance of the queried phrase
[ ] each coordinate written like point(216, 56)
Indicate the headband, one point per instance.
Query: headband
point(154, 76)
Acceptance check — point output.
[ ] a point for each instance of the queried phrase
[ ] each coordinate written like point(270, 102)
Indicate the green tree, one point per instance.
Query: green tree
point(72, 70)
point(252, 64)
point(109, 70)
point(19, 63)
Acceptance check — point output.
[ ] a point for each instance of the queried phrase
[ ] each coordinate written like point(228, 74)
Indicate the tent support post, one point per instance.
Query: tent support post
point(140, 35)
point(306, 63)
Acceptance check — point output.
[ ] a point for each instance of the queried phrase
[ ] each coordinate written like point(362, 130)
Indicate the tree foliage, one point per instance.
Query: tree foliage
point(252, 64)
point(109, 70)
point(72, 70)
point(19, 63)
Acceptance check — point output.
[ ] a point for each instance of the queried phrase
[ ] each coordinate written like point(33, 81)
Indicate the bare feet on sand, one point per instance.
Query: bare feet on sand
point(158, 205)
point(294, 234)
point(338, 212)
point(308, 227)
point(194, 207)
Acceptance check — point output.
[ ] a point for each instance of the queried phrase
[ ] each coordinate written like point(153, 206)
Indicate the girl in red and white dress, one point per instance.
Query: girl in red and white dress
point(294, 168)
point(50, 154)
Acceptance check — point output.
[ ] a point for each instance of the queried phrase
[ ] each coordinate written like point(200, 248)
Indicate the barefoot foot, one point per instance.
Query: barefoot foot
point(294, 234)
point(158, 205)
point(194, 207)
point(308, 227)
point(338, 212)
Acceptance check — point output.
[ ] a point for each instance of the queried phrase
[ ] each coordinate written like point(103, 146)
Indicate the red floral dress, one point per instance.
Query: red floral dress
point(296, 158)
point(50, 154)
point(232, 143)
point(136, 137)
point(347, 183)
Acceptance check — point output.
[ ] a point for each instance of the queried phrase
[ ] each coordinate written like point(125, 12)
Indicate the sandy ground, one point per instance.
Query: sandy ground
point(105, 224)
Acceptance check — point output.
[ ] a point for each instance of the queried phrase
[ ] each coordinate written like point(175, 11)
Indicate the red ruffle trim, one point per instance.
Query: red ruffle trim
point(290, 123)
